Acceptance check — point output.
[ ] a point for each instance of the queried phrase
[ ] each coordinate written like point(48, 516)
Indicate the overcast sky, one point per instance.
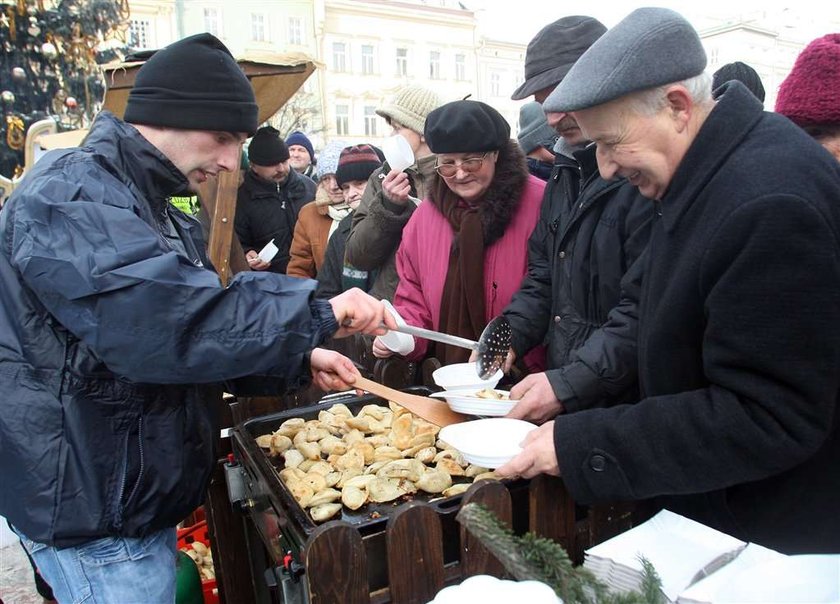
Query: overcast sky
point(519, 20)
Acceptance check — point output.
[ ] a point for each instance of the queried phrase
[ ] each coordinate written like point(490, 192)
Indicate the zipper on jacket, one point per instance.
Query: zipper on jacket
point(282, 201)
point(140, 472)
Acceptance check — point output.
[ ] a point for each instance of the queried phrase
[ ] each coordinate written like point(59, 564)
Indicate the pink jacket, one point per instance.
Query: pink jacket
point(423, 261)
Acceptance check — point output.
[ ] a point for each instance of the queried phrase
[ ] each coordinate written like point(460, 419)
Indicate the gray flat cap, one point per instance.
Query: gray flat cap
point(650, 47)
point(554, 50)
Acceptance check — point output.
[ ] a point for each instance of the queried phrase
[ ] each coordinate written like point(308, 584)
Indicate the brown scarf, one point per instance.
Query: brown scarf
point(462, 303)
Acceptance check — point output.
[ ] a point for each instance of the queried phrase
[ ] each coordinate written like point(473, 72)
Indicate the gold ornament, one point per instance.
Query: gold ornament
point(15, 135)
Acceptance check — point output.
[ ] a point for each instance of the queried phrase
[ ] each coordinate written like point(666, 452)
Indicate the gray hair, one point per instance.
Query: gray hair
point(652, 100)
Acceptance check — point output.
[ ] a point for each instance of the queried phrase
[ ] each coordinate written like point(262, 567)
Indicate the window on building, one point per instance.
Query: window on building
point(402, 61)
point(296, 30)
point(460, 67)
point(211, 21)
point(367, 59)
point(434, 65)
point(339, 56)
point(495, 83)
point(139, 30)
point(370, 121)
point(258, 32)
point(342, 120)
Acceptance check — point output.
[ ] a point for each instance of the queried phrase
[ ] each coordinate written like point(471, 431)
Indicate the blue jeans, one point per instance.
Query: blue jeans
point(110, 570)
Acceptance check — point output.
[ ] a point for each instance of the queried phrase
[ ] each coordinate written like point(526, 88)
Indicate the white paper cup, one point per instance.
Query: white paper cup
point(398, 152)
point(398, 342)
point(268, 252)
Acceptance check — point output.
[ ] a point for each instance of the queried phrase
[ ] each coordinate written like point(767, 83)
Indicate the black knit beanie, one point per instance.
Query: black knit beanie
point(267, 148)
point(741, 72)
point(356, 163)
point(465, 127)
point(193, 84)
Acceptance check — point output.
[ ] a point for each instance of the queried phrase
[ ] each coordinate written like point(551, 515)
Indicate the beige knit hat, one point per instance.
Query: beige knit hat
point(409, 106)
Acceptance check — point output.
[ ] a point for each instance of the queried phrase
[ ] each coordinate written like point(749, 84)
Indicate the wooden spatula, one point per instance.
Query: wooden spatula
point(436, 412)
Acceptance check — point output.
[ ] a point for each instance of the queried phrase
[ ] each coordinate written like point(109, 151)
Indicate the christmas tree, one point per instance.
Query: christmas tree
point(50, 66)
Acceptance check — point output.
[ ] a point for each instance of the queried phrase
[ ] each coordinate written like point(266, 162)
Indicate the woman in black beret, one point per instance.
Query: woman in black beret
point(464, 251)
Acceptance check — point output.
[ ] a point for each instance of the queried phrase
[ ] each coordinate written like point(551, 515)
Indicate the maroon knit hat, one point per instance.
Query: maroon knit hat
point(356, 163)
point(810, 94)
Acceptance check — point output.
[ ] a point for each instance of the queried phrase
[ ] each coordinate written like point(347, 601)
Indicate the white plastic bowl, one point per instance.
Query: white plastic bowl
point(488, 443)
point(463, 376)
point(466, 401)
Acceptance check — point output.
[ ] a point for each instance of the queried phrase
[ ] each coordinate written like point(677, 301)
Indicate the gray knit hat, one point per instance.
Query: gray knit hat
point(648, 48)
point(534, 130)
point(409, 106)
point(553, 51)
point(328, 158)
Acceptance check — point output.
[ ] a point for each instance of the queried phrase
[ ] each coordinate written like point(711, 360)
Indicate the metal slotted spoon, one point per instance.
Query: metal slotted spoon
point(492, 345)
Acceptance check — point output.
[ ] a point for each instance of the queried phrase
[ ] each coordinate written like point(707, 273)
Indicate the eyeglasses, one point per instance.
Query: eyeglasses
point(469, 165)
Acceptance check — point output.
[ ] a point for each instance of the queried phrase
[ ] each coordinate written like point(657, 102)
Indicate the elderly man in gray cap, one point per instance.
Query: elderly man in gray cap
point(590, 233)
point(738, 343)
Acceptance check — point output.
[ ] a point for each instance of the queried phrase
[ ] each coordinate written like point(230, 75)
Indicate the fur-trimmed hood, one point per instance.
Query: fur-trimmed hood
point(502, 196)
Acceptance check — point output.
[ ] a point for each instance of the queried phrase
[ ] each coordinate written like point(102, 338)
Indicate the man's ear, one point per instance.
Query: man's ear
point(680, 105)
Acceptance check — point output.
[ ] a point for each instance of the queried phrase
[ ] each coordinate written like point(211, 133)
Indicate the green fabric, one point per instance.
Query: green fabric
point(188, 205)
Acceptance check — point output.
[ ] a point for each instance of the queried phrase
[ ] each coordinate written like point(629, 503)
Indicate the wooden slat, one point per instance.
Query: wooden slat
point(552, 510)
point(475, 559)
point(336, 565)
point(221, 223)
point(415, 554)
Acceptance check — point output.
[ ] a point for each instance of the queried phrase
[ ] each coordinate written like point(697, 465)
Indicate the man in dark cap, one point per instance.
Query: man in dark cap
point(590, 234)
point(268, 201)
point(115, 330)
point(737, 426)
point(738, 71)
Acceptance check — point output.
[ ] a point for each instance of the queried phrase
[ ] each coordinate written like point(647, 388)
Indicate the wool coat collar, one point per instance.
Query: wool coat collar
point(737, 112)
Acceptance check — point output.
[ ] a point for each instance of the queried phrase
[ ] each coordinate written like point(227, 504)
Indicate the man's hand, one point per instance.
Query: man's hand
point(538, 455)
point(537, 402)
point(396, 187)
point(331, 370)
point(357, 312)
point(254, 261)
point(380, 351)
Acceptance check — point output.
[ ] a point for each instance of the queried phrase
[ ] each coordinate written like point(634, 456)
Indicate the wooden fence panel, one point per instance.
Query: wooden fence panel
point(415, 554)
point(336, 565)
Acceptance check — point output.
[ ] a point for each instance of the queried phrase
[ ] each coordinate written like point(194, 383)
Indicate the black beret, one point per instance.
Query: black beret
point(464, 127)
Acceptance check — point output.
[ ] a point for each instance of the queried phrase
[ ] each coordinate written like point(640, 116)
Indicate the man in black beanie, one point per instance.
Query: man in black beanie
point(115, 328)
point(588, 239)
point(269, 199)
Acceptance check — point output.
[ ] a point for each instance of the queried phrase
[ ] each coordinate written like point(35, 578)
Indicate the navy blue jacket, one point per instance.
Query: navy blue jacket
point(739, 344)
point(110, 322)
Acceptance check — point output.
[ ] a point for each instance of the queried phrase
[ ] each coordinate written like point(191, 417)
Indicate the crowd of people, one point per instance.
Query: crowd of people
point(666, 251)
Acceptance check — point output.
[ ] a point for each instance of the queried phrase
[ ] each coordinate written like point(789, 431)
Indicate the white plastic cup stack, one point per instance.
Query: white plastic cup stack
point(397, 152)
point(268, 252)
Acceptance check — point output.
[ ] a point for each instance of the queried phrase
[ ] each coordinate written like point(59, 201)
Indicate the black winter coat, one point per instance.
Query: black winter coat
point(112, 331)
point(583, 245)
point(266, 211)
point(739, 345)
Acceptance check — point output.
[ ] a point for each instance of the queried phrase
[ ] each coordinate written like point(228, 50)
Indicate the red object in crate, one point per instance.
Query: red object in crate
point(199, 532)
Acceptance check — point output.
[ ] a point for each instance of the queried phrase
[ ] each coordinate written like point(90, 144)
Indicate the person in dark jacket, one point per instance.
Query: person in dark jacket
point(115, 330)
point(590, 236)
point(738, 426)
point(269, 200)
point(537, 140)
point(355, 165)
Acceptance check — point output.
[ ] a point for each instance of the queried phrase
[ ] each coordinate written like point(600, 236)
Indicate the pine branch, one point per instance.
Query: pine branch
point(535, 558)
